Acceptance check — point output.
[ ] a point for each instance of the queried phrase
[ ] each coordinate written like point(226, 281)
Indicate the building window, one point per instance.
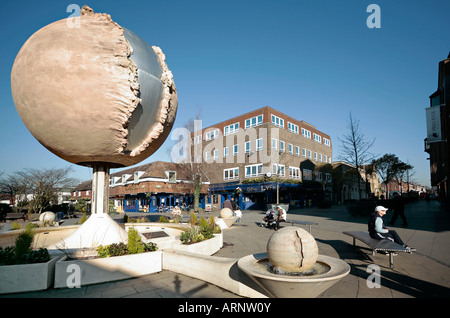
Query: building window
point(274, 144)
point(325, 158)
point(216, 154)
point(259, 144)
point(247, 146)
point(297, 151)
point(320, 157)
point(231, 174)
point(307, 174)
point(294, 172)
point(309, 154)
point(231, 129)
point(317, 138)
point(293, 128)
point(306, 133)
point(304, 152)
point(253, 170)
point(277, 121)
point(213, 134)
point(291, 149)
point(282, 149)
point(207, 156)
point(318, 175)
point(235, 150)
point(278, 170)
point(315, 156)
point(254, 121)
point(226, 152)
point(326, 142)
point(197, 139)
point(172, 176)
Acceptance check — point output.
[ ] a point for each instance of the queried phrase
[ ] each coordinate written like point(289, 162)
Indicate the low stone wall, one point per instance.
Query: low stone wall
point(220, 271)
point(100, 270)
point(27, 277)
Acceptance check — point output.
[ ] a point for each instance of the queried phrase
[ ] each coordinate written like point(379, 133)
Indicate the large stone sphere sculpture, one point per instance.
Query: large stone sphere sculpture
point(47, 217)
point(94, 92)
point(292, 249)
point(226, 213)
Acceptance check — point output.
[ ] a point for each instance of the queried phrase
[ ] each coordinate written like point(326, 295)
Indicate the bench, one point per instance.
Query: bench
point(302, 223)
point(375, 245)
point(14, 216)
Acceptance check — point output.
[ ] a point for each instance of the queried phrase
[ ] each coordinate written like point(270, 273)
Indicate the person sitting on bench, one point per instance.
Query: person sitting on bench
point(281, 217)
point(378, 231)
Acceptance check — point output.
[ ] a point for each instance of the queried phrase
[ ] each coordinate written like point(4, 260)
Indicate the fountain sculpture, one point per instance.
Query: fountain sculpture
point(292, 266)
point(96, 95)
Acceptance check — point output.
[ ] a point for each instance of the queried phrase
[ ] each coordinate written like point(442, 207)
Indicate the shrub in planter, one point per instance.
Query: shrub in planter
point(134, 246)
point(21, 252)
point(199, 230)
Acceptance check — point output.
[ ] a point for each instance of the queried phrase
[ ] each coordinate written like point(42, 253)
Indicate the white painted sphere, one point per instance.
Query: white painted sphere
point(292, 249)
point(226, 213)
point(47, 217)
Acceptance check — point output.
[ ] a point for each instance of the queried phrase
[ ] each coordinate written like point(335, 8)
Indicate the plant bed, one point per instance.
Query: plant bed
point(205, 247)
point(100, 270)
point(114, 262)
point(27, 277)
point(23, 269)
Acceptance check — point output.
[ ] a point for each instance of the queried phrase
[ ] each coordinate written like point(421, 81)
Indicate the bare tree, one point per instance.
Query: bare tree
point(356, 148)
point(44, 185)
point(387, 168)
point(14, 187)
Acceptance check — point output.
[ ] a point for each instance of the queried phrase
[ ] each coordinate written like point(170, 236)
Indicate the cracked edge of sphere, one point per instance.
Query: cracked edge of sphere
point(168, 105)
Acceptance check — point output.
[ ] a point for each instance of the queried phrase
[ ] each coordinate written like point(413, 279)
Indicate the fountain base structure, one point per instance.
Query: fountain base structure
point(326, 272)
point(100, 228)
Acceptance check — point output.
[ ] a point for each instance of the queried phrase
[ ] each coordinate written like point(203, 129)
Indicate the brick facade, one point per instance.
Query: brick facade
point(283, 141)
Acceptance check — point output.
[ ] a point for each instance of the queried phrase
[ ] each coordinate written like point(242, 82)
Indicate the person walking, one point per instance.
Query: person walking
point(227, 204)
point(398, 205)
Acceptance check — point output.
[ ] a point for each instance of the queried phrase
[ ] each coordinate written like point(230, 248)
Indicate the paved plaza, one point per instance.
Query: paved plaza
point(423, 274)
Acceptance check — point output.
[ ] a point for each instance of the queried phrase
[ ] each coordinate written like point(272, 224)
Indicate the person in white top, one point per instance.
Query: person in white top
point(281, 217)
point(238, 213)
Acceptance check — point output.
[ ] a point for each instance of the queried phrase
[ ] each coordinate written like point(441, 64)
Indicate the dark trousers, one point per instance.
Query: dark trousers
point(397, 213)
point(277, 225)
point(392, 235)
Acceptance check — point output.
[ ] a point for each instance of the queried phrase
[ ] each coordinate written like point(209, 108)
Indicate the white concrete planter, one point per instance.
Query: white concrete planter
point(27, 277)
point(207, 247)
point(99, 270)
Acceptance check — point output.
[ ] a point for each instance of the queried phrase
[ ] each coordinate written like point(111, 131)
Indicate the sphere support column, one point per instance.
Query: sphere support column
point(100, 190)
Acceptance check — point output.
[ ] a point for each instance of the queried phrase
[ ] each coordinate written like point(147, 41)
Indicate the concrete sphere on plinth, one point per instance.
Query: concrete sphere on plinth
point(47, 217)
point(226, 213)
point(292, 249)
point(94, 92)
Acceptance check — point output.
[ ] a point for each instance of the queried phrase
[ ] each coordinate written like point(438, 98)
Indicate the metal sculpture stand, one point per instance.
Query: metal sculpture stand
point(100, 228)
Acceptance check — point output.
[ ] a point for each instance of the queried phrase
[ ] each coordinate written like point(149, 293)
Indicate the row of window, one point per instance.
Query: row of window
point(306, 153)
point(256, 170)
point(258, 120)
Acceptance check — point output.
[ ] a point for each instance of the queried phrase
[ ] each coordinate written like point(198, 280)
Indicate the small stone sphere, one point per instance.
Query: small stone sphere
point(47, 217)
point(292, 249)
point(226, 213)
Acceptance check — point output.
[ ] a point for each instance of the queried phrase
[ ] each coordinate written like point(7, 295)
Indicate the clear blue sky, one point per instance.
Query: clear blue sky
point(313, 60)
